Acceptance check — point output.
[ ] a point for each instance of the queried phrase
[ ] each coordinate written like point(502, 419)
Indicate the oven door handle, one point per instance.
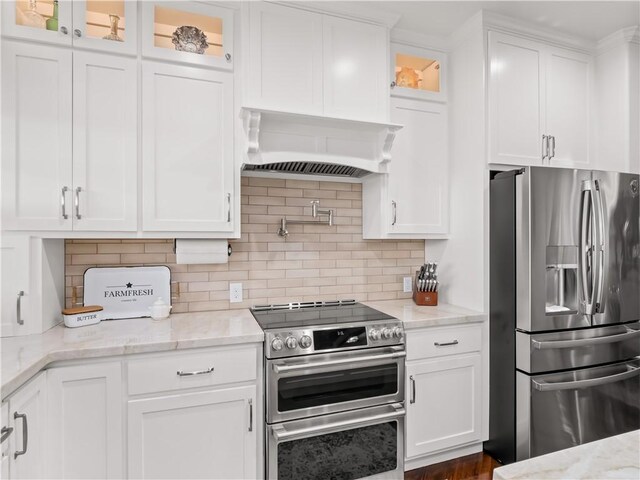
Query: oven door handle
point(280, 433)
point(585, 342)
point(592, 382)
point(367, 358)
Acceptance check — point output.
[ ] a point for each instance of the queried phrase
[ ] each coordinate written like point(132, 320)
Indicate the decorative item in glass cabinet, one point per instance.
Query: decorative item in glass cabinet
point(52, 23)
point(190, 39)
point(113, 22)
point(30, 17)
point(407, 77)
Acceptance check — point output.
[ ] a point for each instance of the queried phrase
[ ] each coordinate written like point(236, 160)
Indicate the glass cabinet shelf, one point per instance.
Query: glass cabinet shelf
point(418, 73)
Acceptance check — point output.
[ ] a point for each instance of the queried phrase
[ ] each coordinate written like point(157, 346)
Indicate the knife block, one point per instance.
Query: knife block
point(428, 299)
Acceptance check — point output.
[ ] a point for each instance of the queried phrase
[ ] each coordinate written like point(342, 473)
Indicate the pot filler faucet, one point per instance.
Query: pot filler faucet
point(315, 213)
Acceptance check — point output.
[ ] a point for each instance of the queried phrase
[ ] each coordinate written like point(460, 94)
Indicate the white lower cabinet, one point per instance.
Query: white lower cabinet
point(443, 390)
point(85, 435)
point(5, 434)
point(27, 417)
point(210, 434)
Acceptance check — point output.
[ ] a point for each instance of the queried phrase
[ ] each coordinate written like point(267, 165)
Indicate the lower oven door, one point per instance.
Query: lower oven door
point(365, 443)
point(560, 410)
point(327, 383)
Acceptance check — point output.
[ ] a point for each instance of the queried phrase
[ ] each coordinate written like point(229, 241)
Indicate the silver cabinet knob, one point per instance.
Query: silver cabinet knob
point(305, 341)
point(277, 344)
point(374, 334)
point(387, 333)
point(393, 84)
point(227, 56)
point(291, 343)
point(77, 32)
point(64, 30)
point(397, 332)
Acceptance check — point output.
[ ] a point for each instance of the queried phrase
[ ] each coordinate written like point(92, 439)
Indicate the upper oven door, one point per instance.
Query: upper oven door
point(319, 384)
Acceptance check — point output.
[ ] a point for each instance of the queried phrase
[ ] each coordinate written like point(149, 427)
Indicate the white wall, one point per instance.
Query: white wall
point(463, 258)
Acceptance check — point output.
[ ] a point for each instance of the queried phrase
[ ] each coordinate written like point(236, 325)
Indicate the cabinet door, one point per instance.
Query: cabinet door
point(418, 198)
point(444, 407)
point(15, 267)
point(568, 107)
point(27, 19)
point(355, 65)
point(36, 137)
point(516, 100)
point(285, 58)
point(209, 434)
point(109, 26)
point(105, 149)
point(85, 436)
point(27, 414)
point(187, 150)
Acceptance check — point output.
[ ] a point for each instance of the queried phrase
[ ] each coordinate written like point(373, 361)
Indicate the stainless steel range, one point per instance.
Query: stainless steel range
point(334, 374)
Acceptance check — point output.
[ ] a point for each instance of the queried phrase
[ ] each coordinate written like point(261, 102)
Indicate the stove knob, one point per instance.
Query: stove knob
point(305, 341)
point(387, 333)
point(291, 343)
point(374, 334)
point(277, 344)
point(397, 332)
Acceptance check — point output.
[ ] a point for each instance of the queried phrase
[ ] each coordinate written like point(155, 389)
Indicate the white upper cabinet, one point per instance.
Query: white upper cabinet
point(188, 32)
point(355, 63)
point(412, 200)
point(418, 73)
point(539, 103)
point(187, 152)
point(307, 62)
point(36, 137)
point(105, 146)
point(285, 67)
point(109, 26)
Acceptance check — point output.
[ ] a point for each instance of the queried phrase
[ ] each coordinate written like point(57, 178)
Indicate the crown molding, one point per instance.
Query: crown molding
point(419, 40)
point(619, 38)
point(352, 11)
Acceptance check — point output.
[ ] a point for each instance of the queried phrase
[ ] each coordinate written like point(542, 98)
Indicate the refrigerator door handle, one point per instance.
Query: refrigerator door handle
point(543, 386)
point(586, 246)
point(585, 342)
point(599, 225)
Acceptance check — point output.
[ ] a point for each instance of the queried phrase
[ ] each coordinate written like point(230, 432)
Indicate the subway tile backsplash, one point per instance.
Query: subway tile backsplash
point(315, 262)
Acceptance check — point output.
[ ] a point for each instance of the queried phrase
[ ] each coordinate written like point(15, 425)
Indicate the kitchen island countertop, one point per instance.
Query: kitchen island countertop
point(613, 457)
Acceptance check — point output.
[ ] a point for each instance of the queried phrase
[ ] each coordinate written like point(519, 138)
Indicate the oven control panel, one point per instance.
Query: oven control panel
point(337, 338)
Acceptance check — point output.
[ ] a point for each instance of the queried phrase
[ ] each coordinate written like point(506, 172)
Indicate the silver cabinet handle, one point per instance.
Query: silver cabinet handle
point(553, 146)
point(228, 207)
point(250, 415)
point(25, 434)
point(394, 208)
point(19, 308)
point(64, 30)
point(545, 147)
point(77, 32)
point(5, 433)
point(413, 389)
point(343, 361)
point(438, 344)
point(77, 203)
point(585, 342)
point(280, 432)
point(63, 202)
point(227, 56)
point(592, 382)
point(181, 373)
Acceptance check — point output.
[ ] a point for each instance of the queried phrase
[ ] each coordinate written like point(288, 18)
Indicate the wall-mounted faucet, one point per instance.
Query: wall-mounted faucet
point(315, 213)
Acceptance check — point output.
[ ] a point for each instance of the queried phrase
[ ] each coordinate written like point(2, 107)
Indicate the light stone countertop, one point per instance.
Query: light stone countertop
point(23, 357)
point(613, 457)
point(414, 316)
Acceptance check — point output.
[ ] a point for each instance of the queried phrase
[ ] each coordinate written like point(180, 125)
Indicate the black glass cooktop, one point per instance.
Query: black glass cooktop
point(315, 314)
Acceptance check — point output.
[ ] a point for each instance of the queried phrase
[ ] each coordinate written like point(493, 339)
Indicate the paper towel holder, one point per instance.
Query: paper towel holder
point(229, 247)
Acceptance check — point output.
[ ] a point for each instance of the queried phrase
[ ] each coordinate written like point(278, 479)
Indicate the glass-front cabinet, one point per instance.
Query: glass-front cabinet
point(188, 32)
point(418, 73)
point(108, 25)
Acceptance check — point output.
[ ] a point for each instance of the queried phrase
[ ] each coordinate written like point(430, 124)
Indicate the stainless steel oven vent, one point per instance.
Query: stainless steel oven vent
point(310, 168)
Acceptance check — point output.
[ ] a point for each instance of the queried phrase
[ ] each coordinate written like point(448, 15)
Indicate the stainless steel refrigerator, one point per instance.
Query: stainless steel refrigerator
point(564, 309)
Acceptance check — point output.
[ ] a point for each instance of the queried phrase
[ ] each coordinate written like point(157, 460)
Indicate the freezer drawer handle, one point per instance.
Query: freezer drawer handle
point(593, 382)
point(344, 361)
point(585, 342)
point(280, 433)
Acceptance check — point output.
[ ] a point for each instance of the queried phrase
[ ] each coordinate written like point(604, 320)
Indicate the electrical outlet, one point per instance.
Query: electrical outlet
point(407, 286)
point(235, 292)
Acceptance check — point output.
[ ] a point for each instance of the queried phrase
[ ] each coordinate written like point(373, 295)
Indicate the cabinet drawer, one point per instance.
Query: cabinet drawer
point(198, 368)
point(438, 342)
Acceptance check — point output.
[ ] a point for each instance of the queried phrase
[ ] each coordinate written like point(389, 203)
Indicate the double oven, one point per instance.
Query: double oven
point(334, 396)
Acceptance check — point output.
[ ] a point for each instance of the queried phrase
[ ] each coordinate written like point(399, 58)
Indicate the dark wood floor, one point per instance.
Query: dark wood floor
point(478, 466)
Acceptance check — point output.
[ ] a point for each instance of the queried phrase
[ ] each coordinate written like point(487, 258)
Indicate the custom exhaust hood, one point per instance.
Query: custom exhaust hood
point(283, 142)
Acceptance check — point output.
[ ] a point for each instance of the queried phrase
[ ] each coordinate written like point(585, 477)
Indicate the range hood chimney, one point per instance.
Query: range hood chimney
point(282, 142)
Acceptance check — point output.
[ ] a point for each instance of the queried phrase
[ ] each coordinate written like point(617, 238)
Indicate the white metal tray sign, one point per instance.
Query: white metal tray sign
point(126, 292)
